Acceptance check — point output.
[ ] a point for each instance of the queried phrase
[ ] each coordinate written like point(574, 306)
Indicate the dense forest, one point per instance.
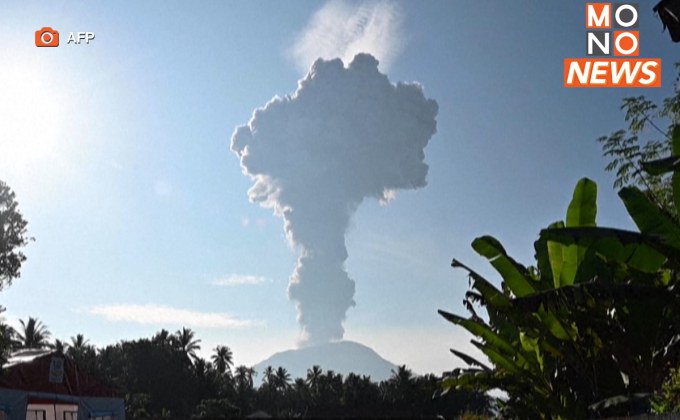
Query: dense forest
point(162, 376)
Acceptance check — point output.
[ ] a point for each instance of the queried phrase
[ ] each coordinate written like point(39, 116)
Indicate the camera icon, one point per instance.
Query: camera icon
point(46, 37)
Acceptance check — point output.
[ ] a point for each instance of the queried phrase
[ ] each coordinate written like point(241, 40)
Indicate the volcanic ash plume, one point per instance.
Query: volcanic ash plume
point(345, 134)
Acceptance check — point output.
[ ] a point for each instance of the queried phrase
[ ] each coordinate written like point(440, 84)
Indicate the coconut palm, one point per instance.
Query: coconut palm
point(33, 335)
point(401, 384)
point(300, 386)
point(268, 376)
point(223, 359)
point(78, 342)
point(244, 377)
point(78, 347)
point(243, 385)
point(281, 378)
point(402, 376)
point(8, 338)
point(163, 337)
point(313, 376)
point(185, 340)
point(59, 346)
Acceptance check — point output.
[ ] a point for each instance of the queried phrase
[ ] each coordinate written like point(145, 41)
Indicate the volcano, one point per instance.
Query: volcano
point(341, 357)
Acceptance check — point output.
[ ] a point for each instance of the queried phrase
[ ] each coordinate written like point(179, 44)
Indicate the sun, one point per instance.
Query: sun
point(30, 117)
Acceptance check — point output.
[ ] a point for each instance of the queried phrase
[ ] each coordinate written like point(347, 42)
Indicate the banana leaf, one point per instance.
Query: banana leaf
point(514, 274)
point(648, 218)
point(469, 359)
point(480, 330)
point(643, 252)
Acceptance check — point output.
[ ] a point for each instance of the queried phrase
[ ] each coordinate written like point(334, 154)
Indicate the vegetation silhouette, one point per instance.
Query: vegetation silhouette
point(158, 379)
point(593, 328)
point(13, 236)
point(33, 334)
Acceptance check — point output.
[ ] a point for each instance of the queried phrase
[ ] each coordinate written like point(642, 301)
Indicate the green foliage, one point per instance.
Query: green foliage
point(216, 409)
point(591, 329)
point(601, 328)
point(158, 379)
point(473, 416)
point(223, 359)
point(137, 405)
point(185, 340)
point(629, 148)
point(7, 342)
point(82, 352)
point(669, 399)
point(33, 334)
point(12, 236)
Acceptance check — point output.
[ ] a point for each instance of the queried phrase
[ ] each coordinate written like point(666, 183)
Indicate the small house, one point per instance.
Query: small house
point(46, 385)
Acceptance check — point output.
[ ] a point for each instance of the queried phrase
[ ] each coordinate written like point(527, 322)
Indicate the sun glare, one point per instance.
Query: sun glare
point(30, 119)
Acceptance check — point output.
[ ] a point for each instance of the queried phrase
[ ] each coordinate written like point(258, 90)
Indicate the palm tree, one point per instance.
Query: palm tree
point(268, 388)
point(34, 334)
point(8, 337)
point(79, 347)
point(243, 380)
point(313, 377)
point(281, 378)
point(78, 342)
point(223, 359)
point(301, 391)
point(8, 342)
point(401, 384)
point(268, 375)
point(186, 342)
point(402, 376)
point(360, 394)
point(162, 337)
point(59, 346)
point(244, 377)
point(330, 389)
point(201, 367)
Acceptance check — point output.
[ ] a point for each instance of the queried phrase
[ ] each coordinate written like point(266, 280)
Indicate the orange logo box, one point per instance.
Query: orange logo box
point(626, 43)
point(618, 16)
point(612, 72)
point(598, 15)
point(46, 37)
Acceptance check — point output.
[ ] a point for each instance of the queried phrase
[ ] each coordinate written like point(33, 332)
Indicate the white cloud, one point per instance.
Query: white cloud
point(341, 29)
point(152, 314)
point(238, 279)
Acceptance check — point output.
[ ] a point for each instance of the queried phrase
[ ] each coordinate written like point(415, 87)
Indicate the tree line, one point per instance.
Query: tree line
point(163, 376)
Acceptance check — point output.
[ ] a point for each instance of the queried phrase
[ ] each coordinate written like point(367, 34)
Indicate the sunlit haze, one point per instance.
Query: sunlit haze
point(156, 175)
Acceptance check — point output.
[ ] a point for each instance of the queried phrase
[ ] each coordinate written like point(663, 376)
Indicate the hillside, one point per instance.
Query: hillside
point(342, 357)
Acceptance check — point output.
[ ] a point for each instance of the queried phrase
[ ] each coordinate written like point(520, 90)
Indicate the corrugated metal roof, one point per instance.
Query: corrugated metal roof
point(25, 356)
point(39, 371)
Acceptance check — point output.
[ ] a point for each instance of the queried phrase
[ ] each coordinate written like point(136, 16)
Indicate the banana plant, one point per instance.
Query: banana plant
point(594, 326)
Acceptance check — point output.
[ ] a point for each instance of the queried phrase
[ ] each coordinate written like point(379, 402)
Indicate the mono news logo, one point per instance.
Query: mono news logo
point(626, 42)
point(612, 50)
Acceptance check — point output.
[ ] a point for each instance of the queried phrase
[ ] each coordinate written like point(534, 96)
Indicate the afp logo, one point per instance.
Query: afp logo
point(48, 37)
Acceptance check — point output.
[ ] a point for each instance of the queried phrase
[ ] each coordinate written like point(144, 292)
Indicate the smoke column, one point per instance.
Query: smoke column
point(346, 133)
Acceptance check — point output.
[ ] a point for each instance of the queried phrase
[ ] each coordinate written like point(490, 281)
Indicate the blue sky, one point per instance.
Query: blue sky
point(119, 154)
